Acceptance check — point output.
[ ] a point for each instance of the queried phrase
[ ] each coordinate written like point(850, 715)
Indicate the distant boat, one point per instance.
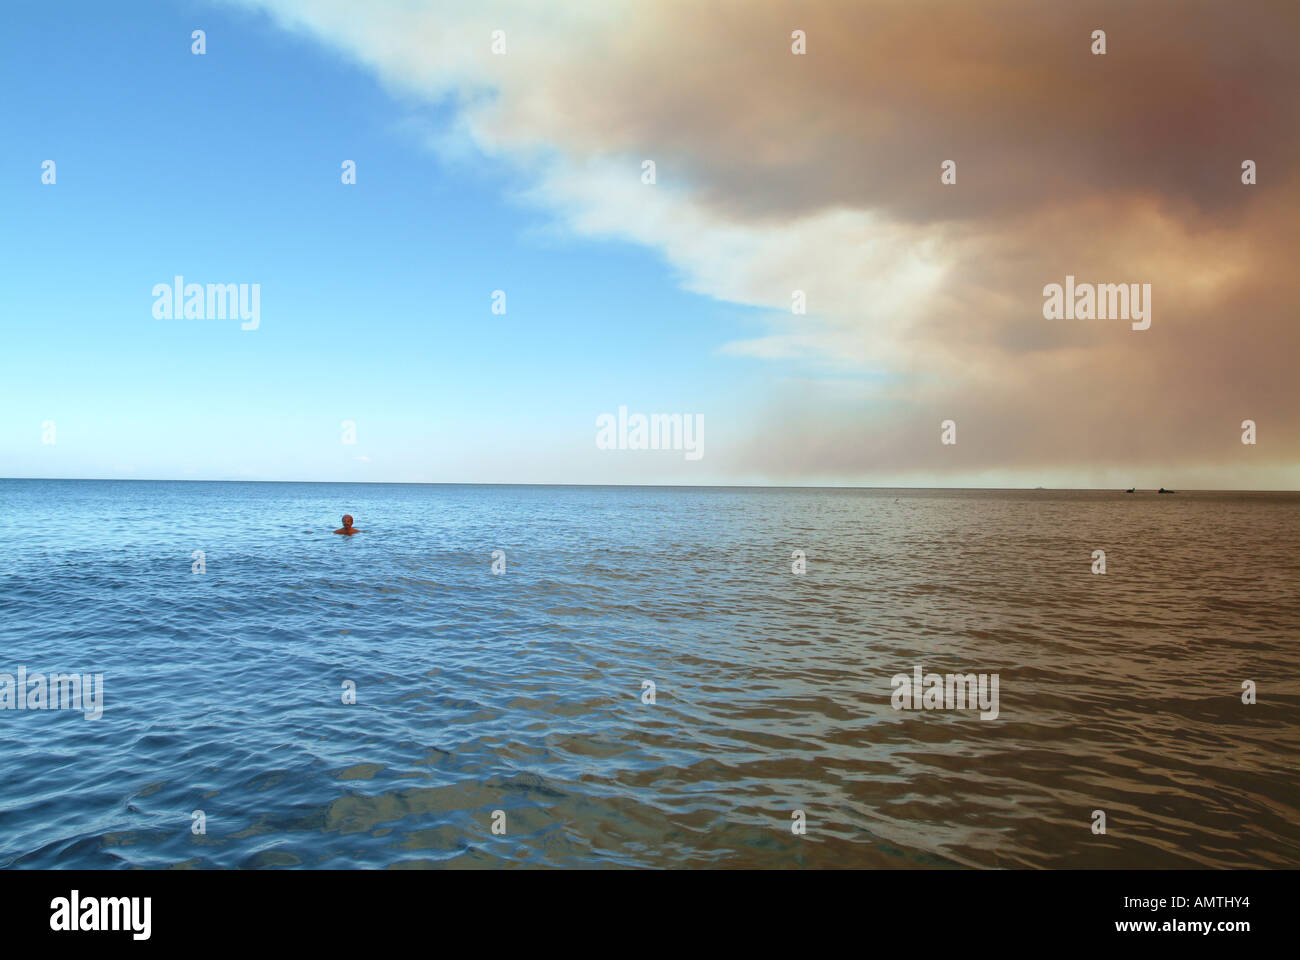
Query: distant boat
point(1163, 490)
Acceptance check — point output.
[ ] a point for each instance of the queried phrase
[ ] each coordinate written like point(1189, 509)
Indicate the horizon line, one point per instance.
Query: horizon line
point(688, 486)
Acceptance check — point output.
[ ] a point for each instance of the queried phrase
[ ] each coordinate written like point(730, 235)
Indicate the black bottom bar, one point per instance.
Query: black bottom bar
point(945, 909)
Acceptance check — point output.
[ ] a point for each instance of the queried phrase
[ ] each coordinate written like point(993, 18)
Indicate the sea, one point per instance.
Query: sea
point(654, 677)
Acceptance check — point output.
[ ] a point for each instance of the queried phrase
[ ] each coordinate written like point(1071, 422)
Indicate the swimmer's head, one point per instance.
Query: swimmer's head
point(347, 520)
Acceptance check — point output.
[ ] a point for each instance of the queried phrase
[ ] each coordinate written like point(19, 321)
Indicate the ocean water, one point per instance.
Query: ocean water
point(523, 692)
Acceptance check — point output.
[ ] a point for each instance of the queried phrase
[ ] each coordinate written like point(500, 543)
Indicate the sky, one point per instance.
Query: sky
point(377, 354)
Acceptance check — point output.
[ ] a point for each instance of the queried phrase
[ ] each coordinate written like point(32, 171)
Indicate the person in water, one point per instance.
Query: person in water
point(347, 529)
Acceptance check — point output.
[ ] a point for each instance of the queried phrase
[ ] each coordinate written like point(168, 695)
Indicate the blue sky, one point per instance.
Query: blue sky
point(375, 297)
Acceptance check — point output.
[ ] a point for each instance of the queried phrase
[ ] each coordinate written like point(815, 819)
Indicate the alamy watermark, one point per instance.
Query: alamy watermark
point(658, 431)
point(58, 691)
point(75, 913)
point(1098, 301)
point(217, 301)
point(953, 691)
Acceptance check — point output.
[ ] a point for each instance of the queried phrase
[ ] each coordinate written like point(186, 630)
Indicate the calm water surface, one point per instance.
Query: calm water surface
point(522, 692)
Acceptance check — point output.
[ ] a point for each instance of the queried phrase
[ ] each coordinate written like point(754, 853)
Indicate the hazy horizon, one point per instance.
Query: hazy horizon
point(720, 486)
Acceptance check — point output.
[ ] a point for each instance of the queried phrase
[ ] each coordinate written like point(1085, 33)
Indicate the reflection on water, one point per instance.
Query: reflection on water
point(523, 692)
